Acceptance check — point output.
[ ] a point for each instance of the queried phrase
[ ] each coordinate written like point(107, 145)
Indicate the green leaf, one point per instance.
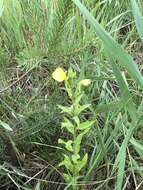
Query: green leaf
point(138, 168)
point(66, 109)
point(79, 109)
point(138, 18)
point(129, 105)
point(67, 163)
point(126, 96)
point(67, 177)
point(121, 167)
point(137, 146)
point(69, 91)
point(67, 144)
point(78, 98)
point(37, 186)
point(71, 73)
point(75, 158)
point(5, 126)
point(77, 120)
point(1, 8)
point(81, 164)
point(115, 49)
point(78, 140)
point(68, 125)
point(111, 106)
point(120, 159)
point(85, 125)
point(98, 153)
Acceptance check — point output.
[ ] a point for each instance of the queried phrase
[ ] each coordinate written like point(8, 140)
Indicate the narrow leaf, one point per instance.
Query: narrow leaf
point(116, 50)
point(138, 18)
point(85, 125)
point(5, 126)
point(37, 186)
point(68, 125)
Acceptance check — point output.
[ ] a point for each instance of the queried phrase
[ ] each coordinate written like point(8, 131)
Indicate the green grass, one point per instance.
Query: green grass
point(101, 40)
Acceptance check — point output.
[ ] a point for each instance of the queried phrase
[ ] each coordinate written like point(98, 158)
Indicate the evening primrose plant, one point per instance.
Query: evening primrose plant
point(74, 160)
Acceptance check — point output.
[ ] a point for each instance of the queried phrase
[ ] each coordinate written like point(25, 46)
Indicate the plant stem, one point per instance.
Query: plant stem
point(74, 139)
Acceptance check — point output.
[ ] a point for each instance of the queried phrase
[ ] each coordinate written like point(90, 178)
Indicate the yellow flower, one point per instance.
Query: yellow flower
point(85, 82)
point(59, 75)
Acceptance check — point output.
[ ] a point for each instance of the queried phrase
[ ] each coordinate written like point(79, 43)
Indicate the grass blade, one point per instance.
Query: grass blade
point(126, 96)
point(127, 99)
point(5, 126)
point(138, 18)
point(37, 186)
point(1, 8)
point(115, 49)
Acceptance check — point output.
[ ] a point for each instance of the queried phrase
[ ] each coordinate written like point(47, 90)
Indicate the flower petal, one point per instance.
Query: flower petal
point(59, 75)
point(85, 82)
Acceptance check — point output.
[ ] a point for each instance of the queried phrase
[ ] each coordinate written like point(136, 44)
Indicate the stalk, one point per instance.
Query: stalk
point(75, 175)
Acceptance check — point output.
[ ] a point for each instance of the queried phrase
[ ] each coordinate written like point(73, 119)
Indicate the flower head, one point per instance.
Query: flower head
point(85, 82)
point(59, 75)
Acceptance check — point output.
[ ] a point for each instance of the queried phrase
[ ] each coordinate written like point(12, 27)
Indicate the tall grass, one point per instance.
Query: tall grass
point(99, 40)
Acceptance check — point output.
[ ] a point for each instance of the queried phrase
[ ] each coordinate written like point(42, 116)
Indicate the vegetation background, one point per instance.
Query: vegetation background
point(100, 40)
